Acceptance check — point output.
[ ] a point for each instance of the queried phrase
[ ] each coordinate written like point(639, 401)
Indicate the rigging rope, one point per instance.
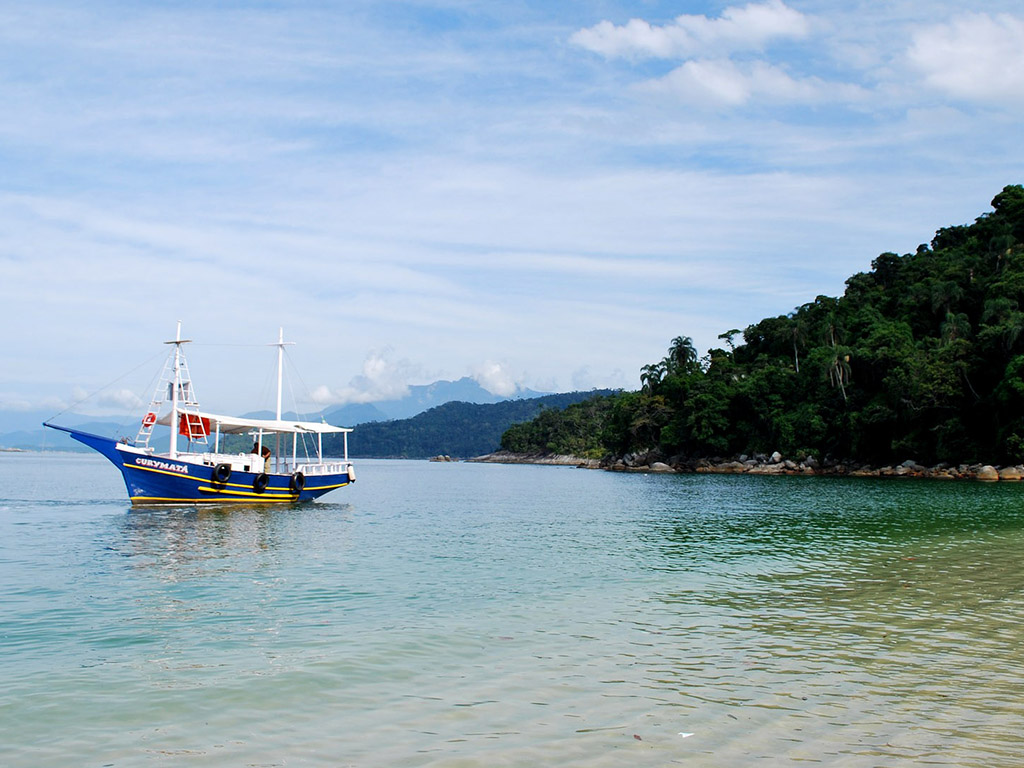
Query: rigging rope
point(107, 386)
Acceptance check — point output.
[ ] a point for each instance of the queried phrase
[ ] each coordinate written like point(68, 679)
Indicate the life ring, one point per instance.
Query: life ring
point(149, 419)
point(297, 482)
point(259, 484)
point(221, 473)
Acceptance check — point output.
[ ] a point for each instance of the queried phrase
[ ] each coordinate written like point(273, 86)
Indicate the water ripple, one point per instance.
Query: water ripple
point(442, 615)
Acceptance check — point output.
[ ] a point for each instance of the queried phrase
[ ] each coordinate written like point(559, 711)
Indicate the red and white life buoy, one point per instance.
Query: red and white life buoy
point(149, 419)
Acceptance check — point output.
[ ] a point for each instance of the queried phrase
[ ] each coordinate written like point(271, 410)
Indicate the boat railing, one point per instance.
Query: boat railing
point(323, 467)
point(250, 462)
point(239, 462)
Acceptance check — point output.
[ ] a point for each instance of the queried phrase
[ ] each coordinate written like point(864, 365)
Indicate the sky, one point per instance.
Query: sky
point(530, 193)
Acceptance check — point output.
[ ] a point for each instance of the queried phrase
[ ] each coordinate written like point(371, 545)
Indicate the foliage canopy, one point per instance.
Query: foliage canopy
point(455, 428)
point(923, 357)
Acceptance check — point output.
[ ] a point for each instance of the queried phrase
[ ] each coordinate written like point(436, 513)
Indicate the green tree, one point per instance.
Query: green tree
point(922, 356)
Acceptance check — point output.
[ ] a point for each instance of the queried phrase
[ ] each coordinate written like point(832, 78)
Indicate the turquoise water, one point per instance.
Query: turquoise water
point(479, 615)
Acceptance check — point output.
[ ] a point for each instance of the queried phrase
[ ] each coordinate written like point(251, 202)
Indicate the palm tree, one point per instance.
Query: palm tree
point(945, 294)
point(1014, 325)
point(798, 331)
point(652, 375)
point(955, 326)
point(839, 373)
point(839, 369)
point(682, 356)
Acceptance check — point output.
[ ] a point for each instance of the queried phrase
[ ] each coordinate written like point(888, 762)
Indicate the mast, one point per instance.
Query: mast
point(280, 367)
point(281, 344)
point(173, 451)
point(175, 385)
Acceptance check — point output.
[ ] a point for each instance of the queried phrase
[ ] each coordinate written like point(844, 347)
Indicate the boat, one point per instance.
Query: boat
point(202, 473)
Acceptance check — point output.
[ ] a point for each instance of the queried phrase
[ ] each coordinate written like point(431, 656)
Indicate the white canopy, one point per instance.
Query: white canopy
point(237, 425)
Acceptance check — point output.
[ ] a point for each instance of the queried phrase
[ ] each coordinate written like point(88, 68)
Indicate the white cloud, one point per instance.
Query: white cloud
point(123, 399)
point(726, 83)
point(105, 401)
point(584, 379)
point(322, 395)
point(975, 56)
point(381, 379)
point(710, 74)
point(495, 379)
point(16, 403)
point(375, 183)
point(738, 28)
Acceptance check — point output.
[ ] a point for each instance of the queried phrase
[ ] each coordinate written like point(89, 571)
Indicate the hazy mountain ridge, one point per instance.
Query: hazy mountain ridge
point(422, 398)
point(457, 429)
point(23, 429)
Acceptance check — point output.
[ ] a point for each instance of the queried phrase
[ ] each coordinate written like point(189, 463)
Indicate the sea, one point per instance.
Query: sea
point(469, 615)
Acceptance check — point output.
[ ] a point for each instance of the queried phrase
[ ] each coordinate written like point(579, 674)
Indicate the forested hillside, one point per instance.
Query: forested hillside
point(922, 357)
point(457, 429)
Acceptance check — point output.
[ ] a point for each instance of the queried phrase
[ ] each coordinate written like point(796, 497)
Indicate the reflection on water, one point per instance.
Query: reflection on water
point(177, 540)
point(483, 615)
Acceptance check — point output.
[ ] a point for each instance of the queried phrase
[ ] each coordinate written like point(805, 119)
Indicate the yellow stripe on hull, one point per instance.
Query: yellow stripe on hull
point(161, 500)
point(289, 496)
point(271, 492)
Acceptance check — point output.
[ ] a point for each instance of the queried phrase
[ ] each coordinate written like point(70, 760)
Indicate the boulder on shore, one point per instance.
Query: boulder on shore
point(768, 469)
point(760, 464)
point(987, 474)
point(507, 457)
point(1009, 474)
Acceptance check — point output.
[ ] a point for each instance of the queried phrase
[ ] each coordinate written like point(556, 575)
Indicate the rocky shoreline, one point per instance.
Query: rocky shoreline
point(761, 464)
point(507, 457)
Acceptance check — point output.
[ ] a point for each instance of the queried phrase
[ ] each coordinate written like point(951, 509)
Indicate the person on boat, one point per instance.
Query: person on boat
point(265, 452)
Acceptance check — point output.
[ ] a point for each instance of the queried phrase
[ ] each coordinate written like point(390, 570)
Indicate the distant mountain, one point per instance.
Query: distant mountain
point(458, 429)
point(16, 421)
point(346, 415)
point(355, 413)
point(23, 429)
point(13, 421)
point(421, 397)
point(38, 440)
point(425, 396)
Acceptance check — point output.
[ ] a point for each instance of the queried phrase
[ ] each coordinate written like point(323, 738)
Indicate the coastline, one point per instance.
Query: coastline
point(775, 464)
point(561, 460)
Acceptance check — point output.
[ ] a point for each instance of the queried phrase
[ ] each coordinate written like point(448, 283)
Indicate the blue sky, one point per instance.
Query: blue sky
point(531, 193)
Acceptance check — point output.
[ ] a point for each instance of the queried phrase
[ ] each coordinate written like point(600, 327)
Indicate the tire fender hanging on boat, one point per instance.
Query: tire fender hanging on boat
point(259, 483)
point(297, 482)
point(221, 473)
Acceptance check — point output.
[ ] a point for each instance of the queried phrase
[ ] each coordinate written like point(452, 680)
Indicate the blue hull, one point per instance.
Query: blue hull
point(159, 480)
